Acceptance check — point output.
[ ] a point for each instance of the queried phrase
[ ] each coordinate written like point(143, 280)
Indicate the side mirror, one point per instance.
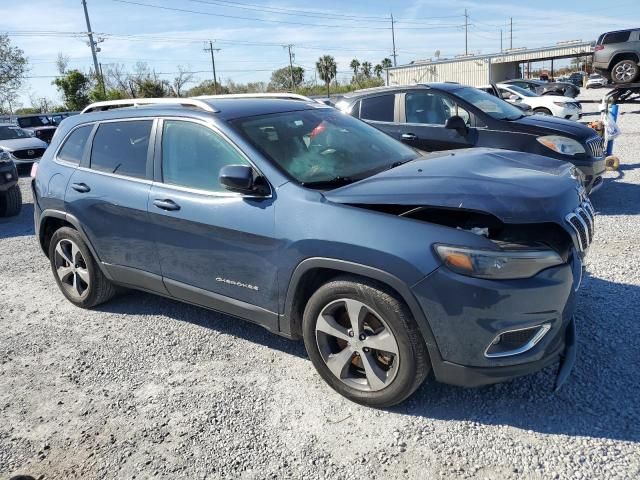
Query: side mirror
point(514, 98)
point(458, 124)
point(505, 95)
point(242, 179)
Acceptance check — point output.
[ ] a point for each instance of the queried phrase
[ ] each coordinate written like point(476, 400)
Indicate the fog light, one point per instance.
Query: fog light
point(8, 176)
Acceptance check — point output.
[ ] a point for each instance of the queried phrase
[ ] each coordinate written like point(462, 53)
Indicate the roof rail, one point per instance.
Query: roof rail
point(290, 96)
point(134, 102)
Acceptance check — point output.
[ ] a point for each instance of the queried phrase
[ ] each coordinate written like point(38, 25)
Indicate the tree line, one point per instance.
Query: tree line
point(77, 88)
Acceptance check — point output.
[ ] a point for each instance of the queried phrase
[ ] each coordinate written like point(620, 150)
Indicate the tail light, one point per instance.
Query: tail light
point(34, 169)
point(598, 47)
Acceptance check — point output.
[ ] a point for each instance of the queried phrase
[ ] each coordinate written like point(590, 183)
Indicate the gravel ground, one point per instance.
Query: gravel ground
point(145, 386)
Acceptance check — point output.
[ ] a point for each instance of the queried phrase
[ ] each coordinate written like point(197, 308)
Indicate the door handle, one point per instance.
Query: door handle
point(166, 204)
point(81, 187)
point(409, 136)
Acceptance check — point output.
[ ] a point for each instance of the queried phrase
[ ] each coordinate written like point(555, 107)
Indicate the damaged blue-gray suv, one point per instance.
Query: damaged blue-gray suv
point(389, 265)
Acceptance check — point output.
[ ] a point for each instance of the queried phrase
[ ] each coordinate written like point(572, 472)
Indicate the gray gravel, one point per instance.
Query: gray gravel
point(145, 386)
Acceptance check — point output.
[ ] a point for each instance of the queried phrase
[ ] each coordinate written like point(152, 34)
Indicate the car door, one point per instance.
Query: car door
point(108, 195)
point(380, 111)
point(216, 248)
point(423, 115)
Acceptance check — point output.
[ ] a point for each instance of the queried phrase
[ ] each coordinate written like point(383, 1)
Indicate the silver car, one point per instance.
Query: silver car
point(22, 147)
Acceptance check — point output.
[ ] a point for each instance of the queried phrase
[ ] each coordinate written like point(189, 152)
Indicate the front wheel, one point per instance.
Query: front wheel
point(625, 71)
point(364, 342)
point(10, 202)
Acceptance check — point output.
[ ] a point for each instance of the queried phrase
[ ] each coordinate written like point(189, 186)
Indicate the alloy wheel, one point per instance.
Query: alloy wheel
point(357, 345)
point(625, 72)
point(71, 268)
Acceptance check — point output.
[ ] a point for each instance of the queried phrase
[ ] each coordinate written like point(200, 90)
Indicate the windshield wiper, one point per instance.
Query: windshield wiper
point(331, 182)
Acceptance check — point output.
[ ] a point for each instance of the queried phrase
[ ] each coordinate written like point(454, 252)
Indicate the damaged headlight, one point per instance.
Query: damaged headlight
point(560, 144)
point(498, 265)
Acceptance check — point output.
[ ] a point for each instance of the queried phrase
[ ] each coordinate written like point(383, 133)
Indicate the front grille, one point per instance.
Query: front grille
point(28, 153)
point(582, 222)
point(515, 342)
point(595, 146)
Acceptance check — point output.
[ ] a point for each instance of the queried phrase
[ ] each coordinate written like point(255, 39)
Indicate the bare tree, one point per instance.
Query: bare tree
point(184, 77)
point(62, 63)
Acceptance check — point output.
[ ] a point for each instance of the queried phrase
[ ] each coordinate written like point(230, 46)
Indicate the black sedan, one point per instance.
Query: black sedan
point(444, 116)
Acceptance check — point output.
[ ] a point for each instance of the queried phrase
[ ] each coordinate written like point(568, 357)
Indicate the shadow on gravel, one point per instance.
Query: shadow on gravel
point(19, 226)
point(613, 198)
point(600, 398)
point(140, 303)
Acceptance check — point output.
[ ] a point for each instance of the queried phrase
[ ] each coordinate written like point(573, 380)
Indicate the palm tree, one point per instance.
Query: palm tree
point(386, 63)
point(366, 69)
point(327, 69)
point(355, 65)
point(378, 70)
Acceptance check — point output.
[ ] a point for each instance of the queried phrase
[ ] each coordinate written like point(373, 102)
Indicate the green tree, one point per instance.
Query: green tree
point(355, 65)
point(327, 69)
point(13, 66)
point(386, 63)
point(281, 78)
point(378, 70)
point(74, 86)
point(366, 69)
point(205, 88)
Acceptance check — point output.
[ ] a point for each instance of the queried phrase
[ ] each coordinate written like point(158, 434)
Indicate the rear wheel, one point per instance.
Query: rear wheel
point(542, 111)
point(10, 202)
point(364, 342)
point(625, 71)
point(76, 271)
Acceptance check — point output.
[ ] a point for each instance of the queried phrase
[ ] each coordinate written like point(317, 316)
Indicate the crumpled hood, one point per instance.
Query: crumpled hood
point(516, 187)
point(22, 144)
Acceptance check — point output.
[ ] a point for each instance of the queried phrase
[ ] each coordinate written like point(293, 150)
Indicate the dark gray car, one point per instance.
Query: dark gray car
point(617, 54)
point(288, 213)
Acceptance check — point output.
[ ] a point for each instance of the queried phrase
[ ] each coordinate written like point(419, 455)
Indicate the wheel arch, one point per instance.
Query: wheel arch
point(626, 55)
point(311, 273)
point(52, 220)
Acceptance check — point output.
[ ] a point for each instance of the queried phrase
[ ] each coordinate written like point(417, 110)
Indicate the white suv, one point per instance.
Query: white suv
point(556, 105)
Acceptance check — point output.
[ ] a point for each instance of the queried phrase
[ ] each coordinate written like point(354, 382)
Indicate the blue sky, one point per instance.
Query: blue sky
point(250, 33)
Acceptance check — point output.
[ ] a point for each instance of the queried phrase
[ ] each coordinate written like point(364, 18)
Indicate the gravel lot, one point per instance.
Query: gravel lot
point(145, 386)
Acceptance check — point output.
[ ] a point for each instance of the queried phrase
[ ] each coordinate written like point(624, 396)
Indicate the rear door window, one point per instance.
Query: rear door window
point(379, 109)
point(73, 147)
point(616, 37)
point(121, 148)
point(432, 108)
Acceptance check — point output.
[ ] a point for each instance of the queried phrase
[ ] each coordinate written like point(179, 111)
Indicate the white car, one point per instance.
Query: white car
point(22, 147)
point(558, 106)
point(596, 81)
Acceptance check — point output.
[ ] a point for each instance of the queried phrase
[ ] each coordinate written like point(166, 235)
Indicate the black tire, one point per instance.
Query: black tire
point(10, 202)
point(98, 289)
point(413, 364)
point(625, 71)
point(542, 111)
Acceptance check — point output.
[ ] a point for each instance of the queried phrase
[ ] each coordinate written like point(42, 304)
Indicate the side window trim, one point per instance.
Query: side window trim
point(86, 161)
point(85, 152)
point(157, 160)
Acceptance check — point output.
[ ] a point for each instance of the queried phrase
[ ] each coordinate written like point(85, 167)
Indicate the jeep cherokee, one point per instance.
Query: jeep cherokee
point(290, 214)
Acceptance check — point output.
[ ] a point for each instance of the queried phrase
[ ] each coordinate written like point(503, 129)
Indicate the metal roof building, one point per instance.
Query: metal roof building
point(478, 70)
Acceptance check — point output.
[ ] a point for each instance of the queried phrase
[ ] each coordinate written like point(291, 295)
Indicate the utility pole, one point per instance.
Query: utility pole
point(293, 83)
point(92, 44)
point(510, 33)
point(466, 29)
point(393, 39)
point(213, 65)
point(500, 40)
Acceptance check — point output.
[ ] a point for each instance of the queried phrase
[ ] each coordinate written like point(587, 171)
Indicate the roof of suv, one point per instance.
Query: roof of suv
point(447, 86)
point(223, 108)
